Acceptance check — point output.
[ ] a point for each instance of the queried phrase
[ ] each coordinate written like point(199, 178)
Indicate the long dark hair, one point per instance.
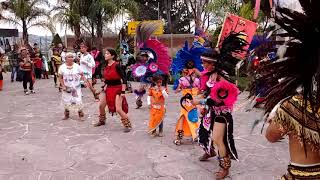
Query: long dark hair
point(113, 53)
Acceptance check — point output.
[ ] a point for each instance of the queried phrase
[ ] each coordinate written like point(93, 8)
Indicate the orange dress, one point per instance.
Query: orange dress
point(189, 128)
point(157, 110)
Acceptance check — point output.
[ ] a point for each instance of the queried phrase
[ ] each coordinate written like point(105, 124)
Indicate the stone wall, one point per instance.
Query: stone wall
point(174, 42)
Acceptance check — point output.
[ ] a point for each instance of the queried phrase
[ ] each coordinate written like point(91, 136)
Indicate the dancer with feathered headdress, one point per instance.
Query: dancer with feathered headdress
point(219, 97)
point(292, 104)
point(188, 65)
point(153, 58)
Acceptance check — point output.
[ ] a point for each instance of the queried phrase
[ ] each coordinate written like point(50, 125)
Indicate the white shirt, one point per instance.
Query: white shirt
point(71, 76)
point(86, 64)
point(63, 56)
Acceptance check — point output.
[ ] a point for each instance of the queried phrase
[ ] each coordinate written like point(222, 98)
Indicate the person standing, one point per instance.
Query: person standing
point(292, 81)
point(14, 63)
point(87, 63)
point(156, 102)
point(56, 63)
point(63, 54)
point(26, 66)
point(97, 55)
point(70, 75)
point(37, 61)
point(188, 84)
point(114, 96)
point(1, 67)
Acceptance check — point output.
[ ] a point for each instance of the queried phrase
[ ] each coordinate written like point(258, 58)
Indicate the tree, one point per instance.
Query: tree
point(175, 13)
point(104, 11)
point(198, 8)
point(56, 39)
point(27, 14)
point(177, 16)
point(69, 14)
point(218, 9)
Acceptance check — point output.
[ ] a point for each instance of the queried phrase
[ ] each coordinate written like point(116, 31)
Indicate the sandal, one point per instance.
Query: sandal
point(81, 115)
point(127, 125)
point(225, 164)
point(153, 133)
point(222, 173)
point(102, 120)
point(66, 115)
point(177, 142)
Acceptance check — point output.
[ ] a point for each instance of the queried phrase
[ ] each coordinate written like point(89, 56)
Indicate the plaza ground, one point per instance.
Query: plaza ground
point(35, 144)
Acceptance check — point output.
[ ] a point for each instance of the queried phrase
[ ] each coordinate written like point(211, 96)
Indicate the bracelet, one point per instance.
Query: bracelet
point(123, 92)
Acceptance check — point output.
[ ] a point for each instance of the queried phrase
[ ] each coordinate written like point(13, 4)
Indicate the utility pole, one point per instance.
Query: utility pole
point(158, 10)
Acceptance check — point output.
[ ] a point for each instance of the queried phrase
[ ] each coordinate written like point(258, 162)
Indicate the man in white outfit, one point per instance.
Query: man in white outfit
point(87, 63)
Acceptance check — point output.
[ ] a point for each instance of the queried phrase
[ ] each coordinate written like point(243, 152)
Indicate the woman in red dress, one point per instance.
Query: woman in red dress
point(115, 86)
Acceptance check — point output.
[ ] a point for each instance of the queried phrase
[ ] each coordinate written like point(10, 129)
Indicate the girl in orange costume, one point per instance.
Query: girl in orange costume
point(156, 103)
point(188, 84)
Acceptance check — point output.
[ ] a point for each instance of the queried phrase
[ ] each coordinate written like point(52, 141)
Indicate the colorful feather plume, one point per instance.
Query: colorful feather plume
point(298, 61)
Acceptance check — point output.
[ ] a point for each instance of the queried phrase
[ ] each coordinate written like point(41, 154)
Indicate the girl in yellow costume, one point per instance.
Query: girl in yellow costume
point(189, 85)
point(156, 102)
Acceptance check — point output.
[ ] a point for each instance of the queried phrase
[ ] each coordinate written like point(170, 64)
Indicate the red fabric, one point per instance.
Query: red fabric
point(238, 24)
point(110, 73)
point(111, 93)
point(37, 62)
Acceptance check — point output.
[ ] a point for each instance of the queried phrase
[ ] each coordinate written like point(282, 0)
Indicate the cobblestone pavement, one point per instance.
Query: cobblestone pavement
point(35, 144)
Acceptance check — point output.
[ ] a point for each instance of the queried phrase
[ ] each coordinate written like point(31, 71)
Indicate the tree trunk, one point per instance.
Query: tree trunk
point(92, 34)
point(77, 31)
point(168, 12)
point(99, 31)
point(25, 32)
point(197, 16)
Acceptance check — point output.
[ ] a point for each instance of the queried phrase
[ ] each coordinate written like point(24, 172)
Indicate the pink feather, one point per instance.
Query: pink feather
point(232, 90)
point(163, 58)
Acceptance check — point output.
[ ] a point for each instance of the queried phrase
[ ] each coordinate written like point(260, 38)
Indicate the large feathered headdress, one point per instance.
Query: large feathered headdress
point(228, 55)
point(298, 61)
point(184, 55)
point(159, 59)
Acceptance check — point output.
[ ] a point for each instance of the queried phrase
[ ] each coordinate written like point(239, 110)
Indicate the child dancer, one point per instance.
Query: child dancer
point(156, 103)
point(189, 84)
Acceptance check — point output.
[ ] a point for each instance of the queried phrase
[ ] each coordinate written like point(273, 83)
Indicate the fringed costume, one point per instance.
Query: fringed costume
point(56, 63)
point(292, 103)
point(219, 97)
point(114, 78)
point(153, 58)
point(156, 101)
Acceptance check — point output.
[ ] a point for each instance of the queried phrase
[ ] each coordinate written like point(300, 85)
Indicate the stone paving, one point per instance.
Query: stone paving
point(35, 144)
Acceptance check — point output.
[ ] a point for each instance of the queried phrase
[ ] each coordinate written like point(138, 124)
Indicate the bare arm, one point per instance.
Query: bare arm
point(178, 89)
point(274, 132)
point(61, 81)
point(197, 72)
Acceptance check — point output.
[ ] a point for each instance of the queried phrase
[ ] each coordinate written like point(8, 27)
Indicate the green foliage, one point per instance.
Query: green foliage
point(179, 14)
point(27, 14)
point(218, 9)
point(215, 35)
point(56, 39)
